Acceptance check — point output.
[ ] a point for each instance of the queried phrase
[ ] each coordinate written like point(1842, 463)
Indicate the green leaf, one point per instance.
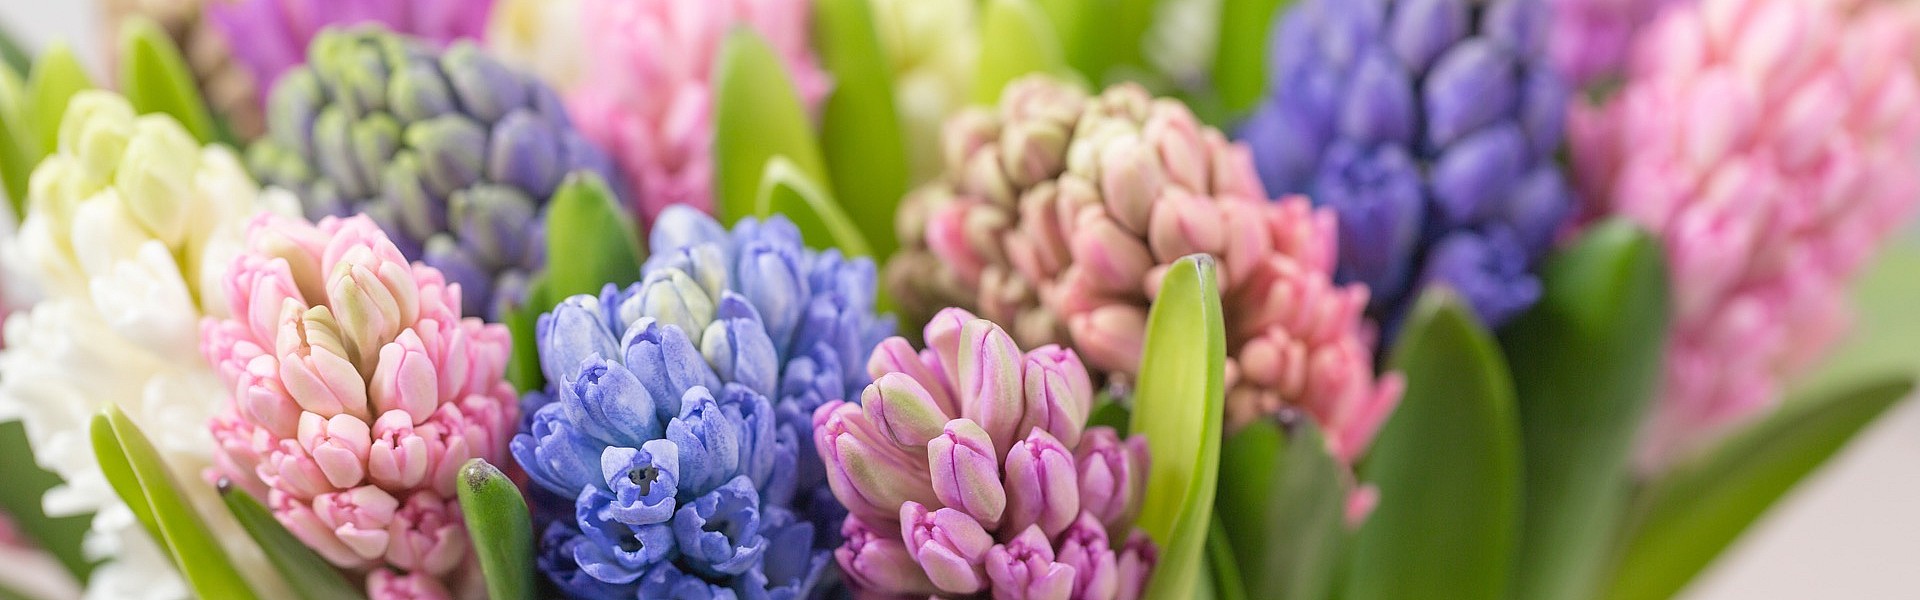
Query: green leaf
point(1177, 406)
point(1107, 413)
point(1586, 360)
point(591, 241)
point(523, 365)
point(1227, 582)
point(1240, 62)
point(1019, 39)
point(155, 78)
point(1882, 339)
point(1447, 464)
point(307, 574)
point(1693, 512)
point(13, 56)
point(497, 518)
point(138, 475)
point(1102, 37)
point(21, 497)
point(757, 116)
point(1282, 504)
point(786, 190)
point(17, 156)
point(56, 77)
point(860, 130)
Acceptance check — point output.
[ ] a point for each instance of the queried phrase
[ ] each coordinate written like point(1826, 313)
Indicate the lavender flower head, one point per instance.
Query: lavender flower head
point(672, 450)
point(268, 38)
point(453, 154)
point(1430, 127)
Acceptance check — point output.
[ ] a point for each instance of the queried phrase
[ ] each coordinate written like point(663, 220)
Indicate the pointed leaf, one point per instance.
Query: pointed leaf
point(786, 190)
point(860, 130)
point(1107, 39)
point(757, 116)
point(21, 497)
point(1018, 39)
point(1693, 512)
point(591, 241)
point(1177, 406)
point(56, 77)
point(1240, 62)
point(138, 475)
point(1225, 570)
point(155, 79)
point(498, 520)
point(523, 365)
point(12, 55)
point(1586, 360)
point(17, 156)
point(1447, 464)
point(1282, 504)
point(307, 574)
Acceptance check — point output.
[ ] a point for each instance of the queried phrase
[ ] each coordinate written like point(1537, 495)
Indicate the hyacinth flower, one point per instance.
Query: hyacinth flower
point(647, 96)
point(1589, 39)
point(542, 37)
point(269, 38)
point(934, 49)
point(968, 469)
point(128, 228)
point(453, 154)
point(357, 391)
point(1430, 128)
point(1770, 146)
point(671, 453)
point(1059, 212)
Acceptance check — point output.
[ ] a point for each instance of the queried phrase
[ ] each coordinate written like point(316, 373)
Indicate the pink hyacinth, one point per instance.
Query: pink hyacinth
point(1590, 39)
point(1772, 146)
point(1059, 213)
point(647, 92)
point(358, 392)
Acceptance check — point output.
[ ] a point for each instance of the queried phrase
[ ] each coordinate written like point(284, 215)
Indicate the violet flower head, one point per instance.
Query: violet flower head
point(646, 92)
point(1770, 145)
point(1430, 127)
point(358, 391)
point(452, 153)
point(969, 470)
point(1590, 39)
point(1059, 212)
point(268, 38)
point(672, 450)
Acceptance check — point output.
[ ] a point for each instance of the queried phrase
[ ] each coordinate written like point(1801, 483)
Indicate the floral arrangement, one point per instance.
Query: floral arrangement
point(1326, 299)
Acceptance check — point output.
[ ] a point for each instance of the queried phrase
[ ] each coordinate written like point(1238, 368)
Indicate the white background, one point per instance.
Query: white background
point(1852, 532)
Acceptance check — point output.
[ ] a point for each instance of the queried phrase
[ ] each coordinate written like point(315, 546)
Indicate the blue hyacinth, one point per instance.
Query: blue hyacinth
point(1430, 127)
point(672, 452)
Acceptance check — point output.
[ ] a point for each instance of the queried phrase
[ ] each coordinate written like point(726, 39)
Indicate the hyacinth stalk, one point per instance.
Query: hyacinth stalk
point(1770, 145)
point(357, 391)
point(1059, 212)
point(127, 234)
point(452, 153)
point(647, 91)
point(968, 469)
point(269, 38)
point(671, 453)
point(1430, 127)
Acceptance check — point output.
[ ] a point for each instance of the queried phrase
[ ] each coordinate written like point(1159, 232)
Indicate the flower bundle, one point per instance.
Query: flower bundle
point(1508, 298)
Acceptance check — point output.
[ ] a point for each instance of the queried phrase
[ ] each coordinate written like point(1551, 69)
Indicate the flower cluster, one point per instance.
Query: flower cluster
point(647, 91)
point(1059, 213)
point(969, 468)
point(672, 449)
point(452, 153)
point(128, 228)
point(357, 392)
point(269, 37)
point(1430, 127)
point(1771, 146)
point(1590, 39)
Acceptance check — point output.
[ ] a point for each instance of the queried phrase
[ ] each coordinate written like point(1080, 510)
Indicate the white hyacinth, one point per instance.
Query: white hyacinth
point(542, 37)
point(128, 227)
point(932, 46)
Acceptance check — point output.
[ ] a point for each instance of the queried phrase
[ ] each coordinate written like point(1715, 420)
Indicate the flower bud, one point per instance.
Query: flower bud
point(338, 445)
point(385, 584)
point(904, 410)
point(1113, 476)
point(674, 298)
point(737, 346)
point(399, 457)
point(868, 473)
point(1042, 484)
point(427, 535)
point(360, 517)
point(1024, 567)
point(965, 474)
point(708, 439)
point(1059, 393)
point(1084, 547)
point(948, 544)
point(643, 481)
point(609, 405)
point(990, 382)
point(878, 561)
point(1135, 565)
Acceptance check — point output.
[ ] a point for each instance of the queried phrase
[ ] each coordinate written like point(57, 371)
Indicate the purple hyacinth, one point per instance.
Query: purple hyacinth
point(672, 450)
point(452, 153)
point(1430, 127)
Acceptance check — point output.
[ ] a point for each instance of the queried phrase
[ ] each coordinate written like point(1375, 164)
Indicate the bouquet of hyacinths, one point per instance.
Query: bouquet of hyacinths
point(1387, 344)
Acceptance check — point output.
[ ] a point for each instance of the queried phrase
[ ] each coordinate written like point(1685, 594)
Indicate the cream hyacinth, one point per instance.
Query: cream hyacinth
point(932, 47)
point(542, 37)
point(127, 227)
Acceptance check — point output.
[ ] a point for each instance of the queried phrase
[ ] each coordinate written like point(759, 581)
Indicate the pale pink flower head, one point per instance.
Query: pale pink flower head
point(1772, 146)
point(357, 392)
point(1059, 213)
point(647, 91)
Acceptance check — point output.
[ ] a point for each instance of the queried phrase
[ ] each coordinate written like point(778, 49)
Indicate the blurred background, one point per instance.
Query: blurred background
point(1852, 531)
